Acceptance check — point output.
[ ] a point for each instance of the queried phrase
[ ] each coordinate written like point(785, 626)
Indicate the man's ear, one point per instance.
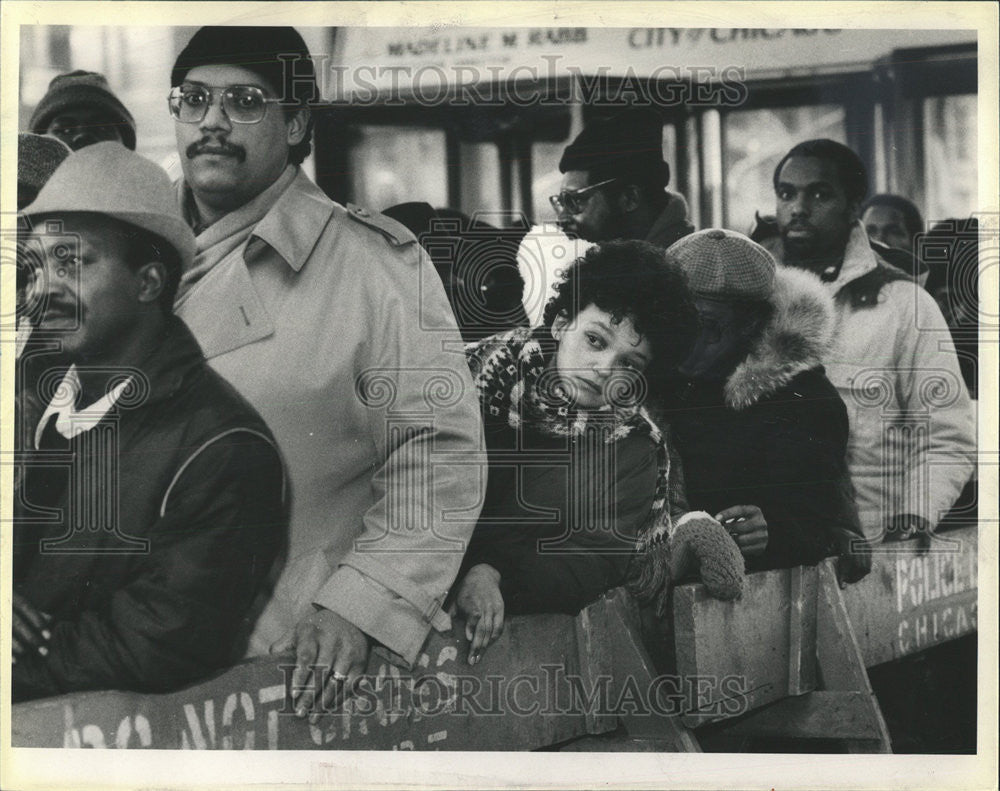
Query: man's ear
point(297, 126)
point(559, 325)
point(152, 281)
point(854, 210)
point(629, 198)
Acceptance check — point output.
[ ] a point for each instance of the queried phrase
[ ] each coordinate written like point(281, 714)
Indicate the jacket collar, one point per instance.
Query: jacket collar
point(294, 223)
point(293, 215)
point(795, 340)
point(859, 258)
point(167, 366)
point(672, 223)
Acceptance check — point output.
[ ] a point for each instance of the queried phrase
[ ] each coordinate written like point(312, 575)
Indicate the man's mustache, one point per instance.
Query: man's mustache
point(57, 310)
point(209, 146)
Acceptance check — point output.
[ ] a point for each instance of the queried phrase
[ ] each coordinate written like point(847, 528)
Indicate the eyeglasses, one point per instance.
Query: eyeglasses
point(574, 200)
point(243, 104)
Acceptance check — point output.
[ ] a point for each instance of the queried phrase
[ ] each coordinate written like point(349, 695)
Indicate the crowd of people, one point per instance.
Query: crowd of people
point(251, 420)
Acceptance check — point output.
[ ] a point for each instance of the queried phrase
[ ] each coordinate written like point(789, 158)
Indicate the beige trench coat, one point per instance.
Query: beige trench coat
point(334, 325)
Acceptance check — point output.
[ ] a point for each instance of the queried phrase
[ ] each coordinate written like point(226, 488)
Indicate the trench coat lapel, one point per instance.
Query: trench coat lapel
point(224, 310)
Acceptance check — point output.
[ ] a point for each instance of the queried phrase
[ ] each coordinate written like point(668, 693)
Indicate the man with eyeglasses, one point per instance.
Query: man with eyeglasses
point(615, 183)
point(332, 322)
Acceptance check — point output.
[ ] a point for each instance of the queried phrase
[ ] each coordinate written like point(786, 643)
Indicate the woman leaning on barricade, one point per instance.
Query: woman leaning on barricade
point(584, 494)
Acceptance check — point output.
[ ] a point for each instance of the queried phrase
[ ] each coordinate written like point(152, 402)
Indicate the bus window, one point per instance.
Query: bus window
point(547, 178)
point(391, 165)
point(950, 153)
point(754, 141)
point(480, 178)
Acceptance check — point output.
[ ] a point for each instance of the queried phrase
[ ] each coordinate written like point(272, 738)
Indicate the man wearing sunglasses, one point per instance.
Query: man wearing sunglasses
point(615, 183)
point(332, 322)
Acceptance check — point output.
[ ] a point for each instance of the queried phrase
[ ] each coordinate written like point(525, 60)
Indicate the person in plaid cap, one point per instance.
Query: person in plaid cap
point(761, 432)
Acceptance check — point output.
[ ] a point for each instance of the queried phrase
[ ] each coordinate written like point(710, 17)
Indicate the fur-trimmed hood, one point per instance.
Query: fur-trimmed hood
point(795, 340)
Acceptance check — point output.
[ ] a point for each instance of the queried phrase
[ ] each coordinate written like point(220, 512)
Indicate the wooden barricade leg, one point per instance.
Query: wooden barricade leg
point(842, 669)
point(611, 648)
point(843, 706)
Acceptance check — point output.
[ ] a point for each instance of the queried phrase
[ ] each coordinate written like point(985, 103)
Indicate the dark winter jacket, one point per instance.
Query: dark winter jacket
point(159, 594)
point(672, 223)
point(566, 496)
point(774, 434)
point(532, 531)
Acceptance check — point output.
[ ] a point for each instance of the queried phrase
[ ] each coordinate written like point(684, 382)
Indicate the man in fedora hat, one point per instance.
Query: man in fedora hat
point(615, 183)
point(81, 109)
point(166, 485)
point(335, 326)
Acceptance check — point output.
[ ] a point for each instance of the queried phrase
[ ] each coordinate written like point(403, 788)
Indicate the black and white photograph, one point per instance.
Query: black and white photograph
point(393, 384)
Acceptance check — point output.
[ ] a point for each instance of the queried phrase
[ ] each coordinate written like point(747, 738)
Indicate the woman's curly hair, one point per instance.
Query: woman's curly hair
point(639, 281)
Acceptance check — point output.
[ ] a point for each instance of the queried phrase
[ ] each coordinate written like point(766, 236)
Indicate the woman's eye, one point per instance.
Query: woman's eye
point(594, 340)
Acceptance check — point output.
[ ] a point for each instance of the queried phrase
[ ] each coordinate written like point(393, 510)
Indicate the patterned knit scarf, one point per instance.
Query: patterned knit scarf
point(517, 385)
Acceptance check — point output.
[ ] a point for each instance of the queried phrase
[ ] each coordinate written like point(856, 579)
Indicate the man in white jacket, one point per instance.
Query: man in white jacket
point(912, 443)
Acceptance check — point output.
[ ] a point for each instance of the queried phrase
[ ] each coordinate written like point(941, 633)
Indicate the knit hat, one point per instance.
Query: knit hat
point(628, 145)
point(38, 156)
point(107, 178)
point(277, 54)
point(725, 265)
point(82, 89)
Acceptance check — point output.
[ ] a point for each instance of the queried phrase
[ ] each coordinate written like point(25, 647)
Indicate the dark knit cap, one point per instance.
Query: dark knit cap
point(629, 144)
point(38, 156)
point(82, 89)
point(277, 54)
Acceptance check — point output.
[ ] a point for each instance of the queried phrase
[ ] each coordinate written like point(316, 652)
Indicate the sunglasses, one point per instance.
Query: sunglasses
point(242, 104)
point(574, 200)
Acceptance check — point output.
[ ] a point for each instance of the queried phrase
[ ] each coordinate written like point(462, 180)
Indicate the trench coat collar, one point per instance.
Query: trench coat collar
point(294, 224)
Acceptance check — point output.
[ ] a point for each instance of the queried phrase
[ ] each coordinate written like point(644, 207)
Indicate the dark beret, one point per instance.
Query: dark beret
point(292, 77)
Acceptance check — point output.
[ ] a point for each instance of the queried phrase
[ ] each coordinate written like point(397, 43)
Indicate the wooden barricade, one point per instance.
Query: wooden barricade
point(788, 659)
point(792, 653)
point(550, 679)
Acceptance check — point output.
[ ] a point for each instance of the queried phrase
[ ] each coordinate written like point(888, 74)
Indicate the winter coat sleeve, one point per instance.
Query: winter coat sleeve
point(565, 574)
point(424, 421)
point(180, 615)
point(810, 498)
point(930, 388)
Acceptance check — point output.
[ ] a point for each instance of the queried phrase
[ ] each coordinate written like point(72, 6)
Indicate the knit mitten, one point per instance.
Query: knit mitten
point(700, 540)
